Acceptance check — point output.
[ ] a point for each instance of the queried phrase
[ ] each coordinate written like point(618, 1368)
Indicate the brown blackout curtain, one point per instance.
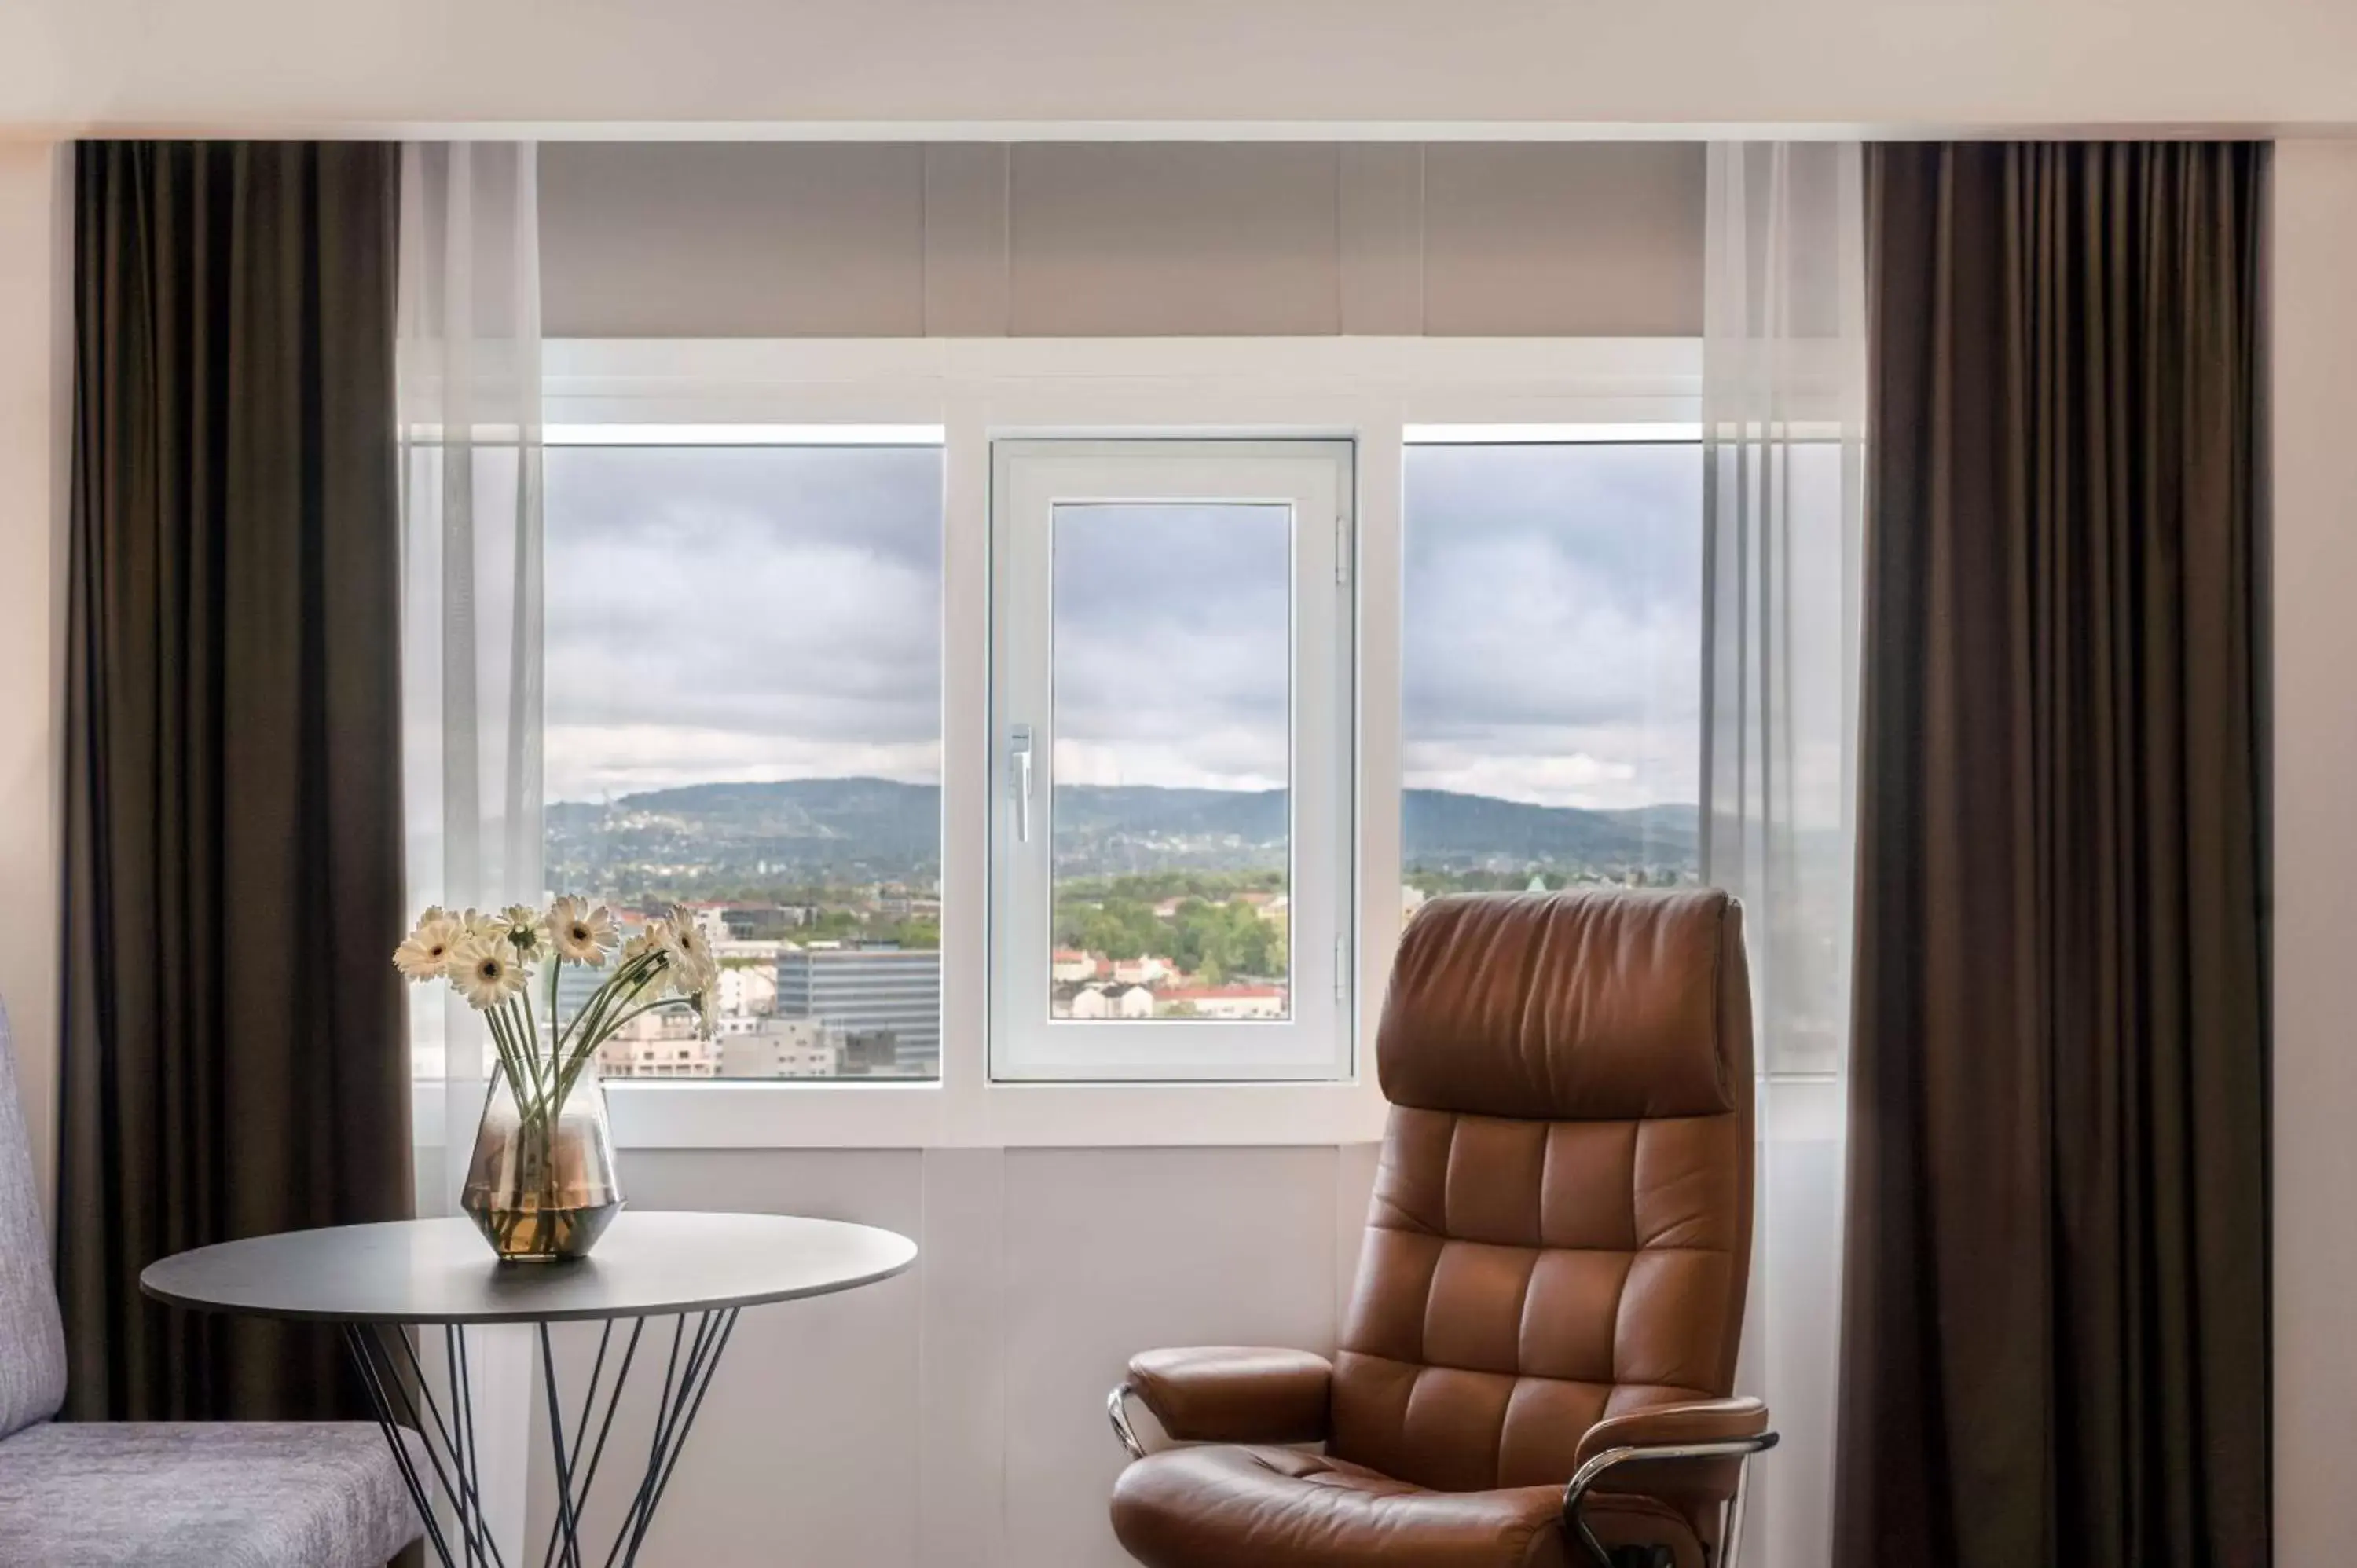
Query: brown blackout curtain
point(234, 1058)
point(2055, 1336)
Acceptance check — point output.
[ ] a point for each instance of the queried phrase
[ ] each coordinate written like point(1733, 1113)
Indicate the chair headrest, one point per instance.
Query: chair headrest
point(1570, 1006)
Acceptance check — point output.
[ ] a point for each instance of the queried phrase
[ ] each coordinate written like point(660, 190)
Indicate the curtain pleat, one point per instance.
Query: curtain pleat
point(467, 335)
point(1784, 396)
point(2055, 1340)
point(234, 1061)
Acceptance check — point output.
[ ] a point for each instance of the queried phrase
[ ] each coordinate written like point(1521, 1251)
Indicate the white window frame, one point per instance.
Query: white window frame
point(1312, 479)
point(1369, 390)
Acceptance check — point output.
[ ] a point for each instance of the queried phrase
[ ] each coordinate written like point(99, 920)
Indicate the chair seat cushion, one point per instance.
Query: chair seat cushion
point(202, 1494)
point(1232, 1506)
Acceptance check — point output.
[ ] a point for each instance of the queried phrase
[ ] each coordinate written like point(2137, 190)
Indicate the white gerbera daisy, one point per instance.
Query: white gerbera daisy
point(426, 952)
point(582, 935)
point(485, 972)
point(694, 965)
point(650, 939)
point(526, 931)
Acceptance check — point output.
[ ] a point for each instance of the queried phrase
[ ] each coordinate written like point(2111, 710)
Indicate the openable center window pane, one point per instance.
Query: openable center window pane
point(743, 714)
point(1172, 764)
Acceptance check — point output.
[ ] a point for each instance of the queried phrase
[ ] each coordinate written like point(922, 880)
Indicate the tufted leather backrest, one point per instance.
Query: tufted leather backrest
point(1562, 1224)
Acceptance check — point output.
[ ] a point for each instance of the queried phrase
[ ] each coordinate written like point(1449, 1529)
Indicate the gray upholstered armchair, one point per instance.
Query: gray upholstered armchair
point(162, 1494)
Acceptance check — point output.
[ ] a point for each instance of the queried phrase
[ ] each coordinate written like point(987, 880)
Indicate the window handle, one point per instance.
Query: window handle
point(1019, 780)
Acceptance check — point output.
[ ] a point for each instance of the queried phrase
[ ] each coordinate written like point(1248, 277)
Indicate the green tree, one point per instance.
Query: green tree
point(925, 934)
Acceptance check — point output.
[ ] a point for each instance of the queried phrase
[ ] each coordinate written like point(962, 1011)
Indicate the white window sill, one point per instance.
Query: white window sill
point(718, 1114)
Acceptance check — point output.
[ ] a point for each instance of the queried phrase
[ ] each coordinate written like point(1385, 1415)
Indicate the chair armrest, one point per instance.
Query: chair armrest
point(1692, 1454)
point(1699, 1420)
point(1231, 1394)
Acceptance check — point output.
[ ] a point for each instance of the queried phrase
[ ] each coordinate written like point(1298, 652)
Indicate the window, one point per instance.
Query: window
point(743, 714)
point(1171, 699)
point(1074, 780)
point(1551, 665)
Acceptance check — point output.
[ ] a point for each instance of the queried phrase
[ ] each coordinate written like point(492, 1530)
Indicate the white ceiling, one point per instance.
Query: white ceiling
point(941, 68)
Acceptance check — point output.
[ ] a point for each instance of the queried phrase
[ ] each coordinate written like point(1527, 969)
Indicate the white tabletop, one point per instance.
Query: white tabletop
point(441, 1271)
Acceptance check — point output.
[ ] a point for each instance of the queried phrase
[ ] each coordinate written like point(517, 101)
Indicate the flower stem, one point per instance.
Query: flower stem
point(523, 1004)
point(591, 1028)
point(556, 1035)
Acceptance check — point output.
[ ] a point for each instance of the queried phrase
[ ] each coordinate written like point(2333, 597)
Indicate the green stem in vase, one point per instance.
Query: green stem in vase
point(510, 1067)
point(569, 1074)
point(595, 1026)
point(526, 1034)
point(591, 1028)
point(556, 1032)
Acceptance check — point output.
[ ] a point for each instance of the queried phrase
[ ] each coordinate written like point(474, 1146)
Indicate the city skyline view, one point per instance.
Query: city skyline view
point(774, 752)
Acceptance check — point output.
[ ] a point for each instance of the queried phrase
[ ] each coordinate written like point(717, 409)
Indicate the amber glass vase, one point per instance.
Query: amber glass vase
point(542, 1186)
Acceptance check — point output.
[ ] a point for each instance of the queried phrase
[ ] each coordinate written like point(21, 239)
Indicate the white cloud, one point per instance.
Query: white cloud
point(1216, 762)
point(599, 761)
point(730, 614)
point(738, 614)
point(1173, 645)
point(1598, 768)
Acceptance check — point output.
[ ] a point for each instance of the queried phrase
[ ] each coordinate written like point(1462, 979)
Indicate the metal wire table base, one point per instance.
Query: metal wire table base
point(461, 1536)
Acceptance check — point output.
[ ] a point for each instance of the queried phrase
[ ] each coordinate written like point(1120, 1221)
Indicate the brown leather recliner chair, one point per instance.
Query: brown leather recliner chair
point(1538, 1366)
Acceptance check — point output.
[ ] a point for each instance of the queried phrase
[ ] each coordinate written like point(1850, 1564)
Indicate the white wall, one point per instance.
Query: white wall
point(33, 385)
point(2315, 349)
point(956, 1414)
point(280, 63)
point(1127, 239)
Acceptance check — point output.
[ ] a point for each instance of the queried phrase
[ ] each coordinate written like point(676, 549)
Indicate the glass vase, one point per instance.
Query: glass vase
point(541, 1186)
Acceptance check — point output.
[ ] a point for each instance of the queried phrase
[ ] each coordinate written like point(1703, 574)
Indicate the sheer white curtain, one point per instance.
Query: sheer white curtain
point(1783, 431)
point(470, 430)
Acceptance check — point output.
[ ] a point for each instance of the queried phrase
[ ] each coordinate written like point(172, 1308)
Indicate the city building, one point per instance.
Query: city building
point(763, 949)
point(659, 1044)
point(744, 920)
point(897, 903)
point(1112, 1002)
point(864, 989)
point(746, 990)
point(1225, 1001)
point(782, 1048)
point(1145, 971)
point(871, 1051)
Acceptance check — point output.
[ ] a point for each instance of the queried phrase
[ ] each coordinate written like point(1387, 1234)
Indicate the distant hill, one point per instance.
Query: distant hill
point(875, 830)
point(804, 829)
point(1443, 830)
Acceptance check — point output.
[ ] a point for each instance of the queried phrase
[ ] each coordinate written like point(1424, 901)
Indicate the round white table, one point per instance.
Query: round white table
point(380, 1282)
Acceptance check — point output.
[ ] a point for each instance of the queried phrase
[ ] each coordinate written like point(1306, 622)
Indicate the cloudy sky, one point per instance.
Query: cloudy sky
point(742, 613)
point(1172, 644)
point(1554, 622)
point(774, 613)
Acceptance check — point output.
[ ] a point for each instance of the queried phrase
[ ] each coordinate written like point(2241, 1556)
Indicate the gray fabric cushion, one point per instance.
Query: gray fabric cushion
point(32, 1339)
point(233, 1494)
